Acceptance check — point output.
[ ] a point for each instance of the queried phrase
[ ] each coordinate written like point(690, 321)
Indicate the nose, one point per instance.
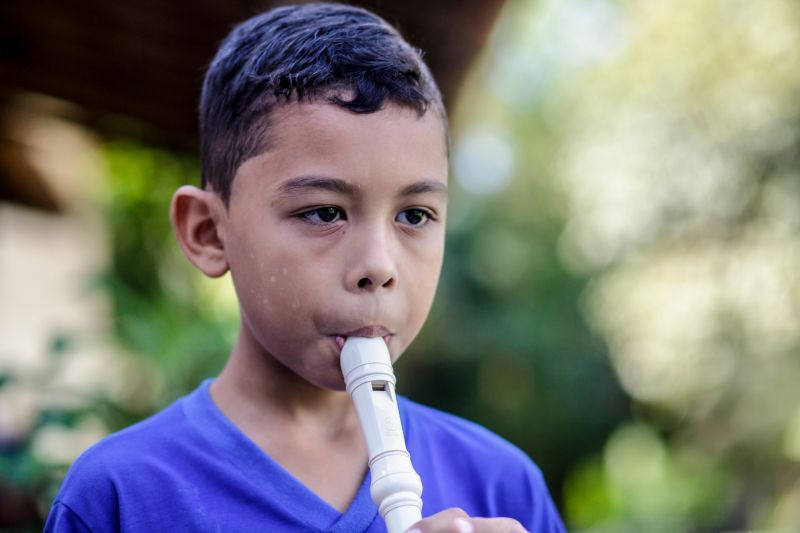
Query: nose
point(372, 264)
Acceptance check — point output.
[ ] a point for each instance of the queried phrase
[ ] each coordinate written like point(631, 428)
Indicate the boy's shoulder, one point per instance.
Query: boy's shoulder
point(454, 434)
point(447, 441)
point(135, 473)
point(466, 465)
point(116, 458)
point(132, 444)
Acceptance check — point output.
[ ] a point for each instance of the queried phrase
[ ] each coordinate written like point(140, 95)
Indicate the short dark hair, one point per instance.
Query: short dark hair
point(343, 54)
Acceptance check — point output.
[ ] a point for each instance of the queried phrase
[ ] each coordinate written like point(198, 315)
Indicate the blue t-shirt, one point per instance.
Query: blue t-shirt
point(189, 468)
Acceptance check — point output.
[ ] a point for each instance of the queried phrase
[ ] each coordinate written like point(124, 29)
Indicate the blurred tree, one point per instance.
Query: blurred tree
point(164, 308)
point(667, 135)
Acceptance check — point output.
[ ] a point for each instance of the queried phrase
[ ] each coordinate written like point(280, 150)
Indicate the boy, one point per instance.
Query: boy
point(324, 152)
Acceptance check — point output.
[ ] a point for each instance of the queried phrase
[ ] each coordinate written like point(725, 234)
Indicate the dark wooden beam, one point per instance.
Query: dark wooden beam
point(145, 59)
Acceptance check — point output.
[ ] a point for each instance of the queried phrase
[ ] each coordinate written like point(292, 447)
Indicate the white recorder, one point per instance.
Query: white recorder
point(396, 488)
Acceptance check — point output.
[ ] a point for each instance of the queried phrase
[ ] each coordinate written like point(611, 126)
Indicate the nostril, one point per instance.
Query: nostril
point(367, 283)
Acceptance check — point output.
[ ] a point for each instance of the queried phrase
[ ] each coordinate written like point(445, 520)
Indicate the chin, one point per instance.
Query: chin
point(331, 384)
point(326, 375)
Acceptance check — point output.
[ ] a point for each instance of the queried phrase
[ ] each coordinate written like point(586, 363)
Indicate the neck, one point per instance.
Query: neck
point(256, 389)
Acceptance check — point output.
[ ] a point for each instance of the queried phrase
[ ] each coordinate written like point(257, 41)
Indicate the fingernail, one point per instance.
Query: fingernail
point(415, 530)
point(464, 526)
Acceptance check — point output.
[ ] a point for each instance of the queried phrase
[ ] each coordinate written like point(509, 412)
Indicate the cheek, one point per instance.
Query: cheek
point(289, 291)
point(428, 261)
point(272, 284)
point(423, 277)
point(425, 289)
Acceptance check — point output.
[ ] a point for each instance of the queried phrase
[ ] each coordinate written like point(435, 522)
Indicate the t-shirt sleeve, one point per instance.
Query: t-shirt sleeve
point(62, 519)
point(540, 514)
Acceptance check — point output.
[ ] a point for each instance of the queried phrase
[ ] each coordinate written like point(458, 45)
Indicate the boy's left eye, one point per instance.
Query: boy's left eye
point(414, 217)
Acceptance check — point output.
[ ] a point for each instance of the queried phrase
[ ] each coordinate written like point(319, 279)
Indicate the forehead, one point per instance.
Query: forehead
point(323, 121)
point(324, 139)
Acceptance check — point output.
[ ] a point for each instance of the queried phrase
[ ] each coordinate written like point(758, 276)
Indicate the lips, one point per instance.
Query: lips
point(367, 331)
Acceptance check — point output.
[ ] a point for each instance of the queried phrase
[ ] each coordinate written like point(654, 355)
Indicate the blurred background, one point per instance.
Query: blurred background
point(620, 294)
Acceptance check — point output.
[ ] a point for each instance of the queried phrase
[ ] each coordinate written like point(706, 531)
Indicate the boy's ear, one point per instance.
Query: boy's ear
point(196, 216)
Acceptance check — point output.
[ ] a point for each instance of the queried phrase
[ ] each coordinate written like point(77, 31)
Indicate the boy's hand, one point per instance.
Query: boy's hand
point(455, 520)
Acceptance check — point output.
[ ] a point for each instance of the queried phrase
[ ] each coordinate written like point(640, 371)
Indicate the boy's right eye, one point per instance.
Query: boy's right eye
point(323, 215)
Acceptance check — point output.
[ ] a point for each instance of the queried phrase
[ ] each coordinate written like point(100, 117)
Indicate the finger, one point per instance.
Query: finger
point(495, 525)
point(441, 522)
point(456, 521)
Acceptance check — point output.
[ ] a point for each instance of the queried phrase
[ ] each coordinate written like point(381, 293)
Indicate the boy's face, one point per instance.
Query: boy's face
point(336, 230)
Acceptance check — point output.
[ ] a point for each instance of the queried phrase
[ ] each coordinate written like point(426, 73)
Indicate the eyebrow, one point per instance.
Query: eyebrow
point(436, 187)
point(302, 184)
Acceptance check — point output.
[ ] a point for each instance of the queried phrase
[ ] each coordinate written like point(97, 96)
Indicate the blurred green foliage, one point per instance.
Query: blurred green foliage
point(659, 140)
point(160, 308)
